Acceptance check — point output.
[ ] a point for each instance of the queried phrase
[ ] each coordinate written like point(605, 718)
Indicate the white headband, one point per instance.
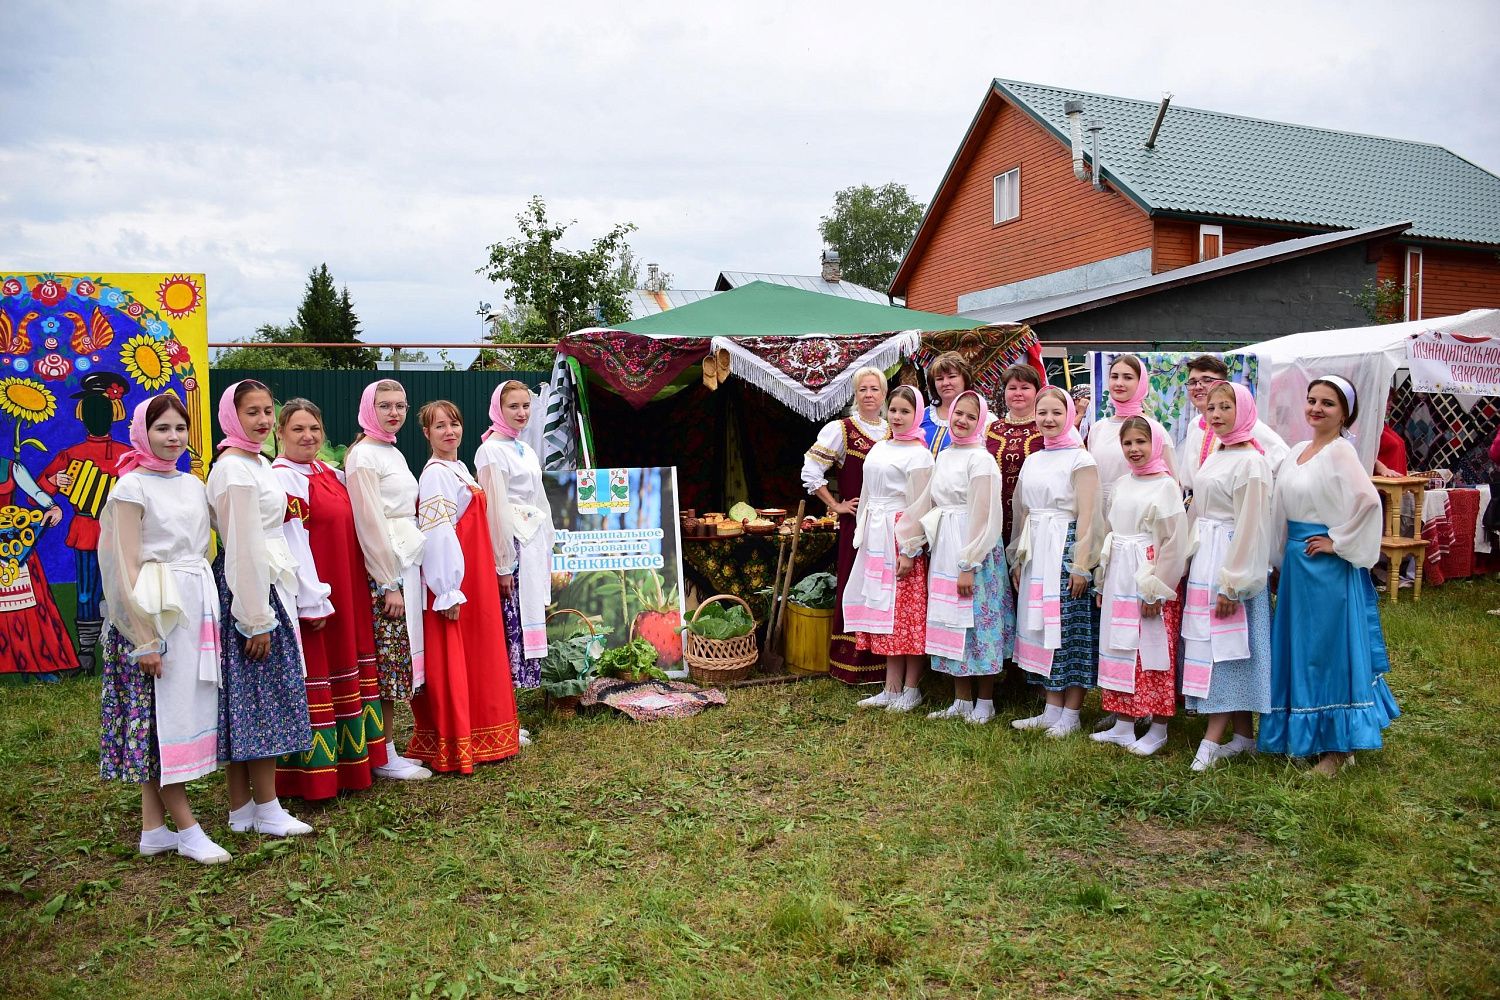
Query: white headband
point(1344, 386)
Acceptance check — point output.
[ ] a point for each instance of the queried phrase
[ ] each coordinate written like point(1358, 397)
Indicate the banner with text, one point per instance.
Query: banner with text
point(617, 556)
point(1456, 363)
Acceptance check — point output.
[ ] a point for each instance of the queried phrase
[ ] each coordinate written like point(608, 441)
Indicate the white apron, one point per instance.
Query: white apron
point(870, 595)
point(1206, 639)
point(949, 616)
point(1123, 632)
point(1044, 537)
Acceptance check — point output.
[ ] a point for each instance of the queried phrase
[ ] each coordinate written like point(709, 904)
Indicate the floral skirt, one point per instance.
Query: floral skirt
point(1242, 685)
point(263, 707)
point(1155, 690)
point(909, 635)
point(392, 649)
point(524, 673)
point(993, 636)
point(128, 749)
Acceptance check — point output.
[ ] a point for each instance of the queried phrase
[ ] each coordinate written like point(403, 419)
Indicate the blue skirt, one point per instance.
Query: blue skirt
point(993, 637)
point(1241, 685)
point(1328, 657)
point(263, 706)
point(1076, 662)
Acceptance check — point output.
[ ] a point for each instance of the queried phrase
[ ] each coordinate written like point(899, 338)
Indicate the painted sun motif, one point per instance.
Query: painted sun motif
point(147, 361)
point(179, 296)
point(27, 400)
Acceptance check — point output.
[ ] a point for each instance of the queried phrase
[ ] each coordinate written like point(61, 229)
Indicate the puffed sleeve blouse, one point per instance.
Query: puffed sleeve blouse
point(445, 492)
point(1235, 485)
point(1332, 488)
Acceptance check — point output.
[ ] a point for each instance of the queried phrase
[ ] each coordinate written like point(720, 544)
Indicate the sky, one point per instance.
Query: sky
point(396, 141)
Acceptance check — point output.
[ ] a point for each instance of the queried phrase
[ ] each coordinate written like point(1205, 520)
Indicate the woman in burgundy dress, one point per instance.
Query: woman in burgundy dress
point(843, 444)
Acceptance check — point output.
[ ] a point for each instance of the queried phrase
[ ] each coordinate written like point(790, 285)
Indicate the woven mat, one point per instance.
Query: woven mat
point(649, 700)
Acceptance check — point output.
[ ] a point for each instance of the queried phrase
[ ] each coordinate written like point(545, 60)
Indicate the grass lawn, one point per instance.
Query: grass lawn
point(789, 845)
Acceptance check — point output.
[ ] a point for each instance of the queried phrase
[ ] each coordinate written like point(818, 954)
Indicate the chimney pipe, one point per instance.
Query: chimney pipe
point(1161, 114)
point(1074, 111)
point(831, 270)
point(1095, 127)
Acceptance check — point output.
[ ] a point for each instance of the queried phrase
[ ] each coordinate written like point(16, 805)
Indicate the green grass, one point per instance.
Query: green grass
point(788, 845)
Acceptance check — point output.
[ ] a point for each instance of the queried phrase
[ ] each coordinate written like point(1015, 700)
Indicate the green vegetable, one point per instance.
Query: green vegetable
point(718, 621)
point(742, 512)
point(815, 591)
point(569, 664)
point(634, 661)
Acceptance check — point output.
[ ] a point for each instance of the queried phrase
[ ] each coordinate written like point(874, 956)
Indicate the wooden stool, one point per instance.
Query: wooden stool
point(1392, 543)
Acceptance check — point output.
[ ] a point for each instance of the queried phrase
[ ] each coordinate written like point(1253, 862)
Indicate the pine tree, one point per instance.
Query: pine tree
point(327, 317)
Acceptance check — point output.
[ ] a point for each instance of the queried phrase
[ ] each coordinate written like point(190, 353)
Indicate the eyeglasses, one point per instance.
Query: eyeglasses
point(1200, 383)
point(391, 407)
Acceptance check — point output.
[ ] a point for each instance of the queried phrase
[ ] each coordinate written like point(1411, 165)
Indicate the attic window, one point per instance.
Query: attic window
point(1008, 196)
point(1210, 242)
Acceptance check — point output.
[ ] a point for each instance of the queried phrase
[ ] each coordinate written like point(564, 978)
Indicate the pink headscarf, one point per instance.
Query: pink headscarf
point(979, 428)
point(229, 421)
point(915, 431)
point(369, 419)
point(497, 413)
point(1156, 463)
point(1132, 406)
point(140, 454)
point(1069, 438)
point(1245, 416)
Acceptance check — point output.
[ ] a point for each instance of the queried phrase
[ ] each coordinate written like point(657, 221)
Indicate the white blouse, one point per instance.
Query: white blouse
point(511, 475)
point(168, 523)
point(1104, 445)
point(1235, 485)
point(248, 511)
point(447, 489)
point(896, 473)
point(313, 595)
point(383, 493)
point(1334, 489)
point(1192, 446)
point(1151, 507)
point(964, 476)
point(828, 451)
point(1065, 479)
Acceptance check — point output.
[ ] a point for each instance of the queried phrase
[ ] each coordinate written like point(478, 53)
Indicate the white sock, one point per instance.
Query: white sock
point(985, 705)
point(192, 836)
point(1207, 749)
point(270, 810)
point(1051, 714)
point(243, 816)
point(1068, 717)
point(1158, 731)
point(1242, 743)
point(160, 837)
point(1124, 726)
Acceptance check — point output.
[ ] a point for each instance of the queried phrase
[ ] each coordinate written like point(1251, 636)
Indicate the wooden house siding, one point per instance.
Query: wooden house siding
point(1454, 280)
point(1174, 242)
point(1063, 223)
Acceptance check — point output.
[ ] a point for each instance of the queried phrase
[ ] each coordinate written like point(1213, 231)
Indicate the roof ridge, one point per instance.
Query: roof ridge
point(1228, 114)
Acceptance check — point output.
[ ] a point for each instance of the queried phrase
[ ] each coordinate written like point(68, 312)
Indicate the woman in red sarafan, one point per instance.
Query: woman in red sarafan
point(466, 713)
point(337, 624)
point(33, 638)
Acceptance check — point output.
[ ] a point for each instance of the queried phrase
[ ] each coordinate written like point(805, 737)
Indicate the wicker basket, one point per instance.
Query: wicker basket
point(566, 707)
point(720, 661)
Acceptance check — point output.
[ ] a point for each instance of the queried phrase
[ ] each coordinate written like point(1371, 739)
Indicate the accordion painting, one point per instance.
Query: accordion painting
point(78, 352)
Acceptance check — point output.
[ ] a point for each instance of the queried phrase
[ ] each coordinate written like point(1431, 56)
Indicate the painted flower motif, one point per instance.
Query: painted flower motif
point(177, 352)
point(51, 325)
point(50, 343)
point(84, 364)
point(54, 367)
point(49, 293)
point(190, 384)
point(112, 297)
point(85, 287)
point(135, 310)
point(146, 361)
point(27, 400)
point(11, 287)
point(20, 364)
point(158, 329)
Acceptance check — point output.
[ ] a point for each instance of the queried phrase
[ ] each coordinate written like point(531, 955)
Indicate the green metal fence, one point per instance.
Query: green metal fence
point(337, 394)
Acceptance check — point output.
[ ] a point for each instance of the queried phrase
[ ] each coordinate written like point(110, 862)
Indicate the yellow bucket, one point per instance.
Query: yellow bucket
point(808, 634)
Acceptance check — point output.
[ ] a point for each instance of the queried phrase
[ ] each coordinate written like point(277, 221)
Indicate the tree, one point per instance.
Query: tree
point(260, 351)
point(555, 290)
point(871, 228)
point(324, 317)
point(1381, 301)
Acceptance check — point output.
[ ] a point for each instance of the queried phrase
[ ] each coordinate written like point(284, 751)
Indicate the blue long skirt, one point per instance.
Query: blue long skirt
point(1328, 656)
point(1241, 685)
point(993, 638)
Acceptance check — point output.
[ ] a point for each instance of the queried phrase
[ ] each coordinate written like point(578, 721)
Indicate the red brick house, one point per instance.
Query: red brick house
point(1011, 220)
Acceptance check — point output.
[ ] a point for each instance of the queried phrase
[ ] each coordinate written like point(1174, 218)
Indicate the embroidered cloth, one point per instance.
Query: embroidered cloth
point(635, 365)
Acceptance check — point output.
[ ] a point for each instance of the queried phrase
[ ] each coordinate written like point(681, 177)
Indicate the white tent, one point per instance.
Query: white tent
point(1367, 356)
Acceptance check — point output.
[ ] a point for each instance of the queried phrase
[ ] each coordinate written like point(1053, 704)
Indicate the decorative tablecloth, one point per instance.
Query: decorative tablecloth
point(742, 564)
point(1437, 529)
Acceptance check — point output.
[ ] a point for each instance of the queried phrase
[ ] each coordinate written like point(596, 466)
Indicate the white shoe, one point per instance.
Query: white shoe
point(957, 710)
point(1106, 722)
point(242, 820)
point(401, 769)
point(881, 700)
point(164, 841)
point(277, 822)
point(200, 849)
point(980, 716)
point(1237, 746)
point(525, 741)
point(1147, 745)
point(1062, 728)
point(1042, 721)
point(904, 702)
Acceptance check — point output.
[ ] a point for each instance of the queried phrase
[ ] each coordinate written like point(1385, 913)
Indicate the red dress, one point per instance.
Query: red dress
point(909, 634)
point(846, 661)
point(1010, 443)
point(33, 638)
point(343, 692)
point(466, 712)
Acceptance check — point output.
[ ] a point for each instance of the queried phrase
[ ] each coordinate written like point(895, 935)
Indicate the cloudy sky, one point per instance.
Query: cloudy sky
point(396, 141)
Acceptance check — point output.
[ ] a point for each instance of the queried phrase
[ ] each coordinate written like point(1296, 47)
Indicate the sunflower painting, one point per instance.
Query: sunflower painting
point(147, 361)
point(27, 400)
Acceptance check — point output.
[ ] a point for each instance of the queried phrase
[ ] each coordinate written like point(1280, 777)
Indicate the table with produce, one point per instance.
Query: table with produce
point(736, 552)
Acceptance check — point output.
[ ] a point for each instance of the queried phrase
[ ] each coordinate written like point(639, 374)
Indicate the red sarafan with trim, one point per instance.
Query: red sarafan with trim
point(1181, 186)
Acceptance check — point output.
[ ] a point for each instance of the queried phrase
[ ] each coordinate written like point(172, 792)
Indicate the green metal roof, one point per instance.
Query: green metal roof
point(761, 309)
point(1213, 164)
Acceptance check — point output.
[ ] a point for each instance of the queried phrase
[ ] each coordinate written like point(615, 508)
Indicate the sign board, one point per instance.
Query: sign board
point(1455, 363)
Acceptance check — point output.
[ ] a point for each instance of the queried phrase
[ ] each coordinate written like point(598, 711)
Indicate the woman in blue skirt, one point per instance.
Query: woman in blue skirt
point(1328, 659)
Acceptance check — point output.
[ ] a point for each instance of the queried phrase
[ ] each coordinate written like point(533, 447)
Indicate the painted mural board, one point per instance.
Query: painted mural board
point(77, 353)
